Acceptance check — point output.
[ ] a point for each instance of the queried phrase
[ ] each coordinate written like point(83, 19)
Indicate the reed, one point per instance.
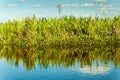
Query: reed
point(33, 31)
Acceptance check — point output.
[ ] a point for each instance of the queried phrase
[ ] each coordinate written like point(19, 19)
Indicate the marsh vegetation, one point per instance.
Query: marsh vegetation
point(39, 32)
point(60, 41)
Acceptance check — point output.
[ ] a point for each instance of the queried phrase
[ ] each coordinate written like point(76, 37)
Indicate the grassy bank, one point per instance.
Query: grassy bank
point(32, 31)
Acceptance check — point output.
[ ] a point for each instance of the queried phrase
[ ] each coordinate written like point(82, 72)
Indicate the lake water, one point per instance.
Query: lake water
point(60, 64)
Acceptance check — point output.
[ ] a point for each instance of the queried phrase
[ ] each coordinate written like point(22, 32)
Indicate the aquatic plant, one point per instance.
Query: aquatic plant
point(33, 31)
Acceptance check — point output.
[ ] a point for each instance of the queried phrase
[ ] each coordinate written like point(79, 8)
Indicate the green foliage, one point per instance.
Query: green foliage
point(33, 31)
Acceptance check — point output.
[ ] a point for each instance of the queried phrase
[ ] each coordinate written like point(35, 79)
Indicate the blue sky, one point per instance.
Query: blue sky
point(17, 9)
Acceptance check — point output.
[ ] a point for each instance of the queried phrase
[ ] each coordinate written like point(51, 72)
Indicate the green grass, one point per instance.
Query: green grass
point(32, 31)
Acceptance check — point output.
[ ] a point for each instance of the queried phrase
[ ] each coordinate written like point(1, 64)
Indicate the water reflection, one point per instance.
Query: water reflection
point(94, 70)
point(85, 56)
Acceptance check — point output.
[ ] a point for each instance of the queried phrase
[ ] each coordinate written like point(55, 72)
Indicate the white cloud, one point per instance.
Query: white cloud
point(12, 10)
point(99, 0)
point(117, 9)
point(75, 5)
point(103, 9)
point(94, 70)
point(76, 14)
point(12, 5)
point(47, 12)
point(85, 15)
point(87, 5)
point(102, 5)
point(65, 5)
point(79, 14)
point(70, 5)
point(103, 12)
point(37, 5)
point(108, 7)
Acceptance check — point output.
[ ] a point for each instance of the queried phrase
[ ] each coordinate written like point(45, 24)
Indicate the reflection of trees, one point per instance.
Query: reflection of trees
point(56, 57)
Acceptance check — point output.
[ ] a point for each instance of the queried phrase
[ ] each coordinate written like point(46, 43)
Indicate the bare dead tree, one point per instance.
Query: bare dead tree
point(59, 9)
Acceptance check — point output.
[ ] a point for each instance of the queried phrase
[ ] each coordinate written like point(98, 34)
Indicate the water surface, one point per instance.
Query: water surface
point(60, 64)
